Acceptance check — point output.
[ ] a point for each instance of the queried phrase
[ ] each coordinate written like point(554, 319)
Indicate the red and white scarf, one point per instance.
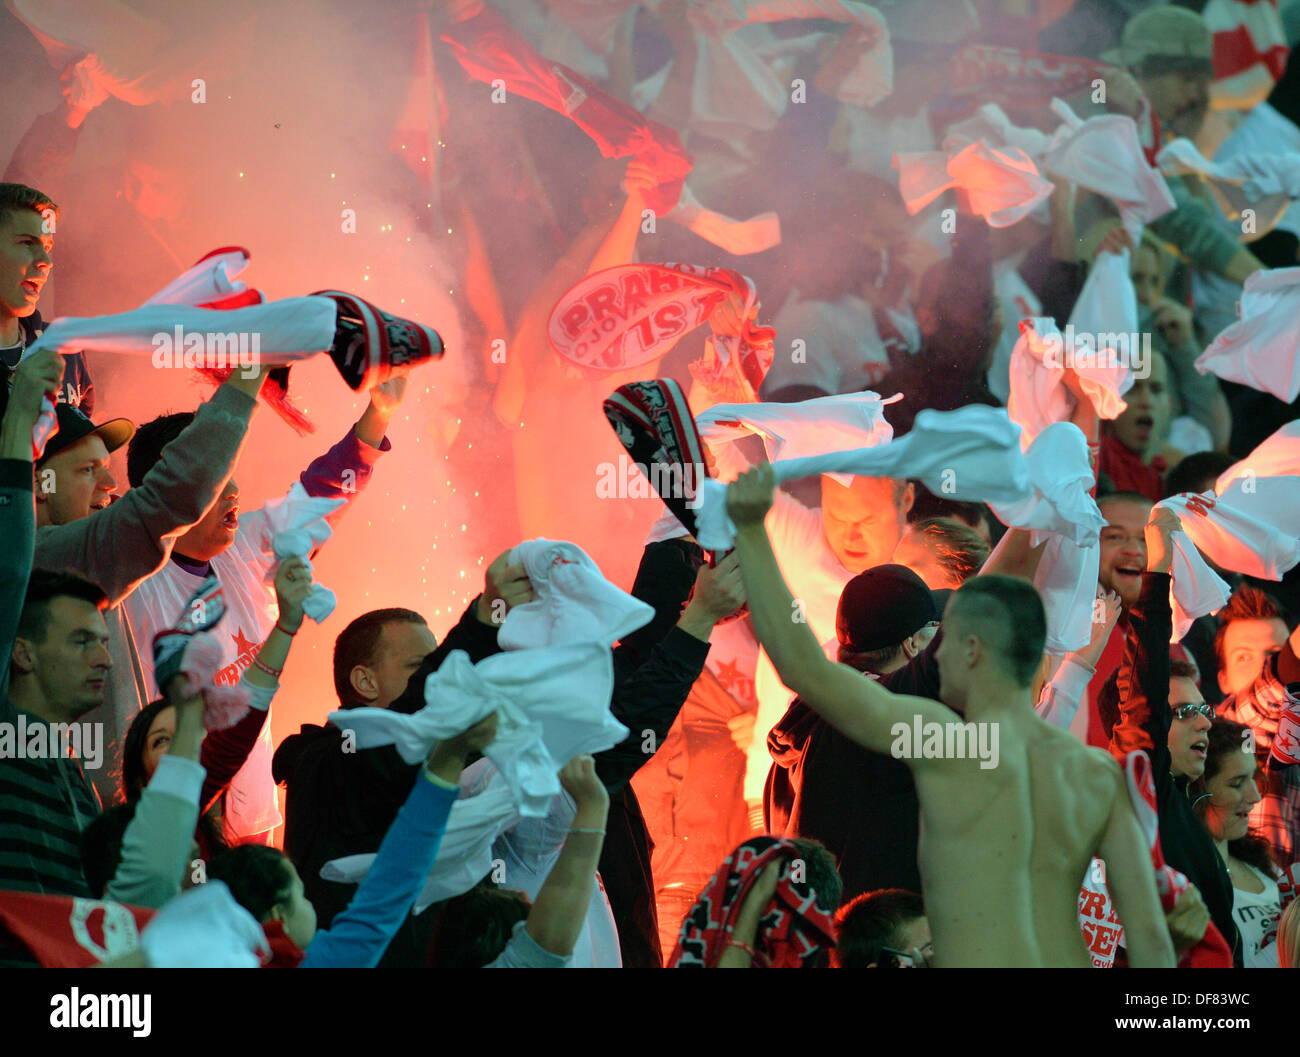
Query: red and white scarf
point(1212, 951)
point(793, 933)
point(624, 316)
point(653, 422)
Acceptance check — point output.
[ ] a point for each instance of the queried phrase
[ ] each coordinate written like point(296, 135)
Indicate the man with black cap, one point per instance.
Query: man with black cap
point(861, 804)
point(1004, 842)
point(118, 545)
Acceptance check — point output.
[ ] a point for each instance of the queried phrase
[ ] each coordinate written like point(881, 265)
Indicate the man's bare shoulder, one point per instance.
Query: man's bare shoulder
point(1085, 762)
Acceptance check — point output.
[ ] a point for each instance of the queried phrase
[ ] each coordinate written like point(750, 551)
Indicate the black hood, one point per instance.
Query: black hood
point(287, 757)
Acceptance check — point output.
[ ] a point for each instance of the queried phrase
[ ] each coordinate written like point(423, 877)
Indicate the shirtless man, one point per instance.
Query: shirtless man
point(1003, 848)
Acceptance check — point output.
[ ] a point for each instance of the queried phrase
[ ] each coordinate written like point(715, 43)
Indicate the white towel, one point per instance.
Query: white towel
point(1262, 349)
point(552, 704)
point(465, 853)
point(1038, 393)
point(1194, 588)
point(970, 454)
point(211, 279)
point(1004, 186)
point(807, 428)
point(204, 928)
point(1238, 532)
point(1272, 471)
point(1107, 308)
point(1265, 183)
point(287, 330)
point(1061, 511)
point(1278, 456)
point(306, 328)
point(297, 525)
point(572, 601)
point(1103, 155)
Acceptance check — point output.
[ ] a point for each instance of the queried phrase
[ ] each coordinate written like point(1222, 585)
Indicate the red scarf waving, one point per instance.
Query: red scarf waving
point(490, 50)
point(794, 933)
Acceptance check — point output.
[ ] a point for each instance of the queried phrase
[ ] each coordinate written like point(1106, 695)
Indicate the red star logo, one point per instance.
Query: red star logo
point(242, 645)
point(729, 674)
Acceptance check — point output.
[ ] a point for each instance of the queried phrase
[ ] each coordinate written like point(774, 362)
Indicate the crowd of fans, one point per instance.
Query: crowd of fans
point(753, 807)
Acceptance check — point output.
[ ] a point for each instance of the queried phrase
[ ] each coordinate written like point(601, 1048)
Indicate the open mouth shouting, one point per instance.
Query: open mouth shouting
point(32, 288)
point(1127, 576)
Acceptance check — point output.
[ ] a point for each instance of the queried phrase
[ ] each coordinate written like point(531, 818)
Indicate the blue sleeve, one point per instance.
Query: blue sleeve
point(361, 934)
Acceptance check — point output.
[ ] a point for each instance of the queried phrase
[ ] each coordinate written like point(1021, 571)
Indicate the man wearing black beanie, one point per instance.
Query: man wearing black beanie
point(860, 804)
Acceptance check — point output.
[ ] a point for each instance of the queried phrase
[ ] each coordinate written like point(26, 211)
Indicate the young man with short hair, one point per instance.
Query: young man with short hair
point(119, 545)
point(1161, 712)
point(1002, 849)
point(27, 227)
point(237, 547)
point(59, 664)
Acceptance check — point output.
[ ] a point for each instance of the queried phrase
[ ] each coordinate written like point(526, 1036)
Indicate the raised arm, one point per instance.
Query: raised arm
point(857, 706)
point(158, 841)
point(1061, 697)
point(648, 698)
point(359, 936)
point(122, 544)
point(344, 470)
point(33, 378)
point(1130, 880)
point(225, 751)
point(560, 910)
point(1143, 678)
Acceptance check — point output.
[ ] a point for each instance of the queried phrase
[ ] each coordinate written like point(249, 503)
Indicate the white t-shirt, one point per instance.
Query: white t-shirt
point(251, 612)
point(1253, 912)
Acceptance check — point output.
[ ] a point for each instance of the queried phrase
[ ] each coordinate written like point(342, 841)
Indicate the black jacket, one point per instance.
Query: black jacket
point(862, 805)
point(654, 669)
point(343, 803)
point(340, 803)
point(77, 388)
point(1145, 719)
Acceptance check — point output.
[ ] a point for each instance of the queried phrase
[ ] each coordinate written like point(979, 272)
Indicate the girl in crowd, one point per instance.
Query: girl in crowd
point(1227, 792)
point(153, 735)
